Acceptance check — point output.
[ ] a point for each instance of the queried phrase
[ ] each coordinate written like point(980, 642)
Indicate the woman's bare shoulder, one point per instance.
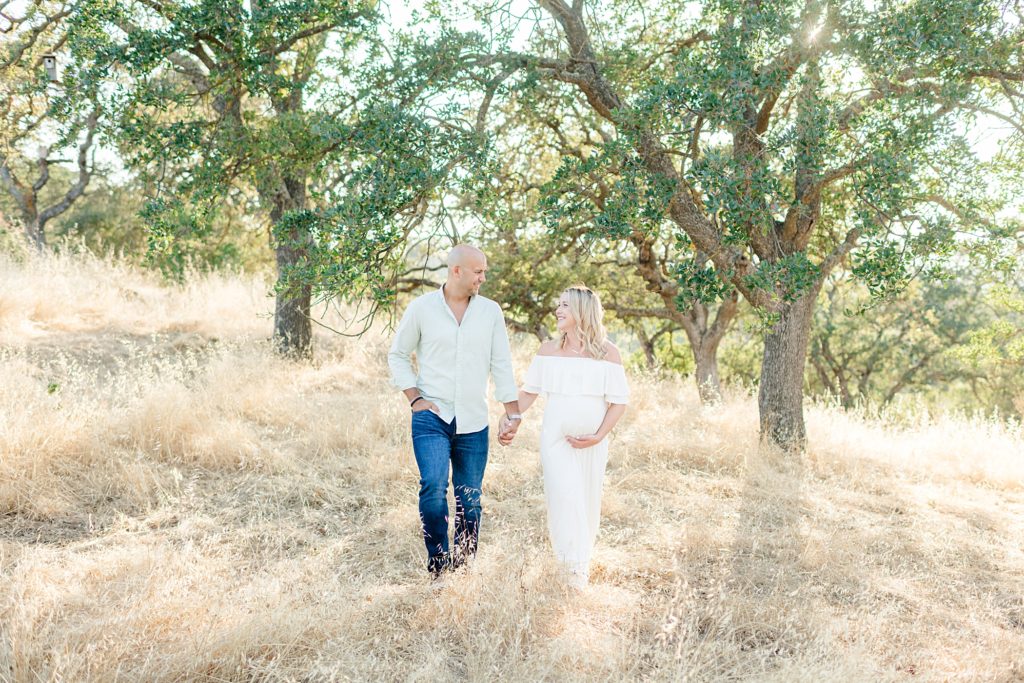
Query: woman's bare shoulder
point(548, 348)
point(611, 353)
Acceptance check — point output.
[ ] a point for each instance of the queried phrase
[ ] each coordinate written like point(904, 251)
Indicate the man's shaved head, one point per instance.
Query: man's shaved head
point(463, 254)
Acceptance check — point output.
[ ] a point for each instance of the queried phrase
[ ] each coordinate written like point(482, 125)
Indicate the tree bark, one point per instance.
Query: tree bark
point(25, 197)
point(780, 396)
point(704, 341)
point(708, 384)
point(34, 233)
point(293, 327)
point(647, 344)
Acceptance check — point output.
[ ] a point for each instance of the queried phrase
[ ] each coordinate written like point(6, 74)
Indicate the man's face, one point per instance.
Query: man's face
point(472, 274)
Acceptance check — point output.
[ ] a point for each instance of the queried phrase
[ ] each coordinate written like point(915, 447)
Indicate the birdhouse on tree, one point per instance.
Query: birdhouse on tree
point(50, 64)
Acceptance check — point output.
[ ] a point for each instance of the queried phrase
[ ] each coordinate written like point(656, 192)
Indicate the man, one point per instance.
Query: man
point(459, 338)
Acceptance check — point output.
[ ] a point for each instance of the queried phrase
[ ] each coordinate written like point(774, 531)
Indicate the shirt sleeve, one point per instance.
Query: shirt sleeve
point(616, 390)
point(505, 389)
point(407, 338)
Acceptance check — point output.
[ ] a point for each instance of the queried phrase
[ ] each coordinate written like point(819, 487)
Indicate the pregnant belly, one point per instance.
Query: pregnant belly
point(573, 415)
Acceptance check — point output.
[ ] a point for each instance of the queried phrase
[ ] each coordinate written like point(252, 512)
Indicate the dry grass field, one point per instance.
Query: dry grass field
point(176, 504)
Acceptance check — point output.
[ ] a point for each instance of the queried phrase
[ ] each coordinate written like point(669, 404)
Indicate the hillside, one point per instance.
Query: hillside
point(178, 504)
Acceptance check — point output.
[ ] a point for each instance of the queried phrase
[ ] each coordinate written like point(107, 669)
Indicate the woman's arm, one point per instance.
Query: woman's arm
point(611, 416)
point(508, 429)
point(526, 400)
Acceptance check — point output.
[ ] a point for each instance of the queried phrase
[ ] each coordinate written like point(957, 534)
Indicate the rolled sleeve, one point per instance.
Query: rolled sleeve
point(406, 339)
point(505, 389)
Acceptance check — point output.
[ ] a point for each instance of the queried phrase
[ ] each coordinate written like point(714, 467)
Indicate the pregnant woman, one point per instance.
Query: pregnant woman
point(581, 374)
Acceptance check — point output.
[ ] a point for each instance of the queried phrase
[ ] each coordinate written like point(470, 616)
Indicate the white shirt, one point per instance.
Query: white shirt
point(454, 360)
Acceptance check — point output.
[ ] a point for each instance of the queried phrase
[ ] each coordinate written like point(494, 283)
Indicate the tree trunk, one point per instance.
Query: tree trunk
point(293, 327)
point(647, 345)
point(780, 396)
point(708, 384)
point(34, 233)
point(704, 341)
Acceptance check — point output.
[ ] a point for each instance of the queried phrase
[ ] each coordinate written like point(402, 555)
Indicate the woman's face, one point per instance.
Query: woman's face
point(563, 315)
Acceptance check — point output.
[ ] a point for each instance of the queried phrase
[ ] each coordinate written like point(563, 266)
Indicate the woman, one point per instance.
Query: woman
point(581, 373)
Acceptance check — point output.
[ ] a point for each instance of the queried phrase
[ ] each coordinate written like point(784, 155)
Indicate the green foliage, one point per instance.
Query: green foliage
point(612, 187)
point(621, 200)
point(740, 353)
point(791, 276)
point(298, 106)
point(869, 351)
point(726, 185)
point(765, 147)
point(106, 220)
point(698, 283)
point(796, 139)
point(39, 137)
point(882, 267)
point(118, 220)
point(179, 239)
point(672, 355)
point(861, 124)
point(1001, 342)
point(526, 273)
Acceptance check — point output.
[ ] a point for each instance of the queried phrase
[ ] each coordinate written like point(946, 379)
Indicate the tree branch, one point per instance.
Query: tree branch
point(192, 70)
point(84, 173)
point(19, 50)
point(44, 169)
point(14, 186)
point(840, 251)
point(962, 215)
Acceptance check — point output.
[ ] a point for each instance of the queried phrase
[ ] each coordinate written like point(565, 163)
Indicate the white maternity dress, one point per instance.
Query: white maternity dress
point(578, 393)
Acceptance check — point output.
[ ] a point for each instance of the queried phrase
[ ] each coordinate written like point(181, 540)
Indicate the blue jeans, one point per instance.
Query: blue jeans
point(437, 447)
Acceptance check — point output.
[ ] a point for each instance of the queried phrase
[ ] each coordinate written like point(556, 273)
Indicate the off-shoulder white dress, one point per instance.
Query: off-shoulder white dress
point(578, 393)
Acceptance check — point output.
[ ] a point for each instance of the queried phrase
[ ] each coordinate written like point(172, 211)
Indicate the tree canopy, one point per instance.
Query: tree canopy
point(699, 160)
point(782, 140)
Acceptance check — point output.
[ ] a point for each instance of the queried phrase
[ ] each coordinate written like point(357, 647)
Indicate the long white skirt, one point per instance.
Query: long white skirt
point(573, 479)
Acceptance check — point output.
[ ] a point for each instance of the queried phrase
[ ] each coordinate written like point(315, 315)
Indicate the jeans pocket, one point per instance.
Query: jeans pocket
point(422, 417)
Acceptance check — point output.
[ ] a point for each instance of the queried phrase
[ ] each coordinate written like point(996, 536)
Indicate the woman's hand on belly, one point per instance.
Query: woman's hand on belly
point(584, 441)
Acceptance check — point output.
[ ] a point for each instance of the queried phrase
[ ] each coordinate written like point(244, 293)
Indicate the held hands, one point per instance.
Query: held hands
point(507, 430)
point(585, 441)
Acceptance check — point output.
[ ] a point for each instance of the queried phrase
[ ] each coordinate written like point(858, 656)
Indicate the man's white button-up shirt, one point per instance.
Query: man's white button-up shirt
point(454, 360)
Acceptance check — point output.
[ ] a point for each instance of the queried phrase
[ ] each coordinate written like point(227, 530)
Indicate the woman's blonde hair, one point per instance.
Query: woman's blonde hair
point(586, 309)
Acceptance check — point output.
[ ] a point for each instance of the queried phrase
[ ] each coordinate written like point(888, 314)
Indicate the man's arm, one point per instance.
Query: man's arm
point(407, 338)
point(505, 389)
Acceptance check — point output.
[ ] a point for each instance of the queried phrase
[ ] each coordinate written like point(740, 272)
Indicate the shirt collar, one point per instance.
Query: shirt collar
point(440, 292)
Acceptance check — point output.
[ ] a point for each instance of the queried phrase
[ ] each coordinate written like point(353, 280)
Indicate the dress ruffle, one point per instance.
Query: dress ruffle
point(577, 377)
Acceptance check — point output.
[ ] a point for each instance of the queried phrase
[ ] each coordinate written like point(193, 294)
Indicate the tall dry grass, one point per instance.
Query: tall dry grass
point(178, 504)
